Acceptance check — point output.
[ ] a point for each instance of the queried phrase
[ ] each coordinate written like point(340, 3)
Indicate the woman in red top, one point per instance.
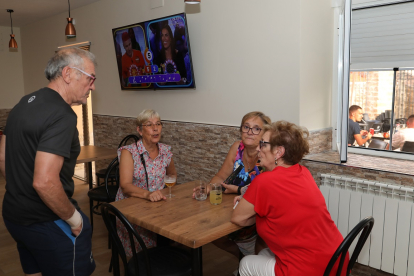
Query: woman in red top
point(298, 234)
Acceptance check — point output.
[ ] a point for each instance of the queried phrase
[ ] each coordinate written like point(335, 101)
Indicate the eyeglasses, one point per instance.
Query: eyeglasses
point(159, 124)
point(246, 129)
point(263, 143)
point(93, 78)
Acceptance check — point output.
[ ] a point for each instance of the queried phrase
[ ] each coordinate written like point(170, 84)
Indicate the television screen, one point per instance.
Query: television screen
point(154, 54)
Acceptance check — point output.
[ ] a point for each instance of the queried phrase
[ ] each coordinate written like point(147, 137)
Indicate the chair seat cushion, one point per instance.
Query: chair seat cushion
point(99, 193)
point(164, 260)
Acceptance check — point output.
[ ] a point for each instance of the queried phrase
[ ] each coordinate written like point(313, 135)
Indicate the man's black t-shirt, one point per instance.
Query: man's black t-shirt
point(353, 128)
point(41, 121)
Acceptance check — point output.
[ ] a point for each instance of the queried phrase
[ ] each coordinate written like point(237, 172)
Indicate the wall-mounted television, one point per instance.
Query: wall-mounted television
point(154, 54)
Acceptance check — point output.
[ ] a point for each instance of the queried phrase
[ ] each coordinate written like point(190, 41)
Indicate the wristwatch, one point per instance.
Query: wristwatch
point(239, 190)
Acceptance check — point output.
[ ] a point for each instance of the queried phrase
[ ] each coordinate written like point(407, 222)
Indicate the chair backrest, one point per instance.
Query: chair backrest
point(124, 141)
point(109, 213)
point(377, 144)
point(365, 226)
point(113, 168)
point(408, 146)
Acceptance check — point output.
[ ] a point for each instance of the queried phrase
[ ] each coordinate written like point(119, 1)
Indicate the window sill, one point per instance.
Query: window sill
point(383, 164)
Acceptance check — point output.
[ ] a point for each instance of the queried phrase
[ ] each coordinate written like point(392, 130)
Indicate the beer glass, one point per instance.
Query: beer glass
point(170, 181)
point(216, 193)
point(200, 190)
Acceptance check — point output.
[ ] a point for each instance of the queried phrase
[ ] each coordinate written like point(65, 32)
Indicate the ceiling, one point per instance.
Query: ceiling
point(30, 11)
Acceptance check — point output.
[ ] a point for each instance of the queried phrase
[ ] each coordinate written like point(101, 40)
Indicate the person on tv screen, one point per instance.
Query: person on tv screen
point(132, 61)
point(170, 60)
point(181, 45)
point(134, 42)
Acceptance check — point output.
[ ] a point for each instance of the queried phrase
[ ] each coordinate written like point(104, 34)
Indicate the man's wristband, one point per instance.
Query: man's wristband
point(239, 190)
point(75, 221)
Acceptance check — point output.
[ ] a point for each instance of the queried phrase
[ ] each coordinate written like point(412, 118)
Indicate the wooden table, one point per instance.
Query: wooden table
point(183, 219)
point(89, 154)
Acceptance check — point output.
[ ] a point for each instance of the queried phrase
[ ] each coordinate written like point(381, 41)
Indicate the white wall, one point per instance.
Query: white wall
point(316, 54)
point(11, 69)
point(247, 55)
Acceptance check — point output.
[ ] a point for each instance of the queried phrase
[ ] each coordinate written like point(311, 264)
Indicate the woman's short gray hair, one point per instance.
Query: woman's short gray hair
point(145, 115)
point(67, 57)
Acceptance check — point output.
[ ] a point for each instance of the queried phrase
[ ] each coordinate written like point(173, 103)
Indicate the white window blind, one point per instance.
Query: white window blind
point(383, 37)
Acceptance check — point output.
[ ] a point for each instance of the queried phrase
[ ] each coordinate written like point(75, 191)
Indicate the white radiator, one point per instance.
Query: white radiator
point(390, 246)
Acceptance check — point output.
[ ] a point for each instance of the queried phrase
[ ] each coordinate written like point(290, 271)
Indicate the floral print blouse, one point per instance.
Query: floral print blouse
point(156, 169)
point(244, 178)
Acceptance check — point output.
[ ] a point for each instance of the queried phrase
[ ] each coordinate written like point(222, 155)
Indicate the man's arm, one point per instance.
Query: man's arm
point(3, 155)
point(360, 140)
point(47, 184)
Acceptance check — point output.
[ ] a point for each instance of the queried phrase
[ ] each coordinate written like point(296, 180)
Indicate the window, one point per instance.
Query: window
point(387, 104)
point(380, 77)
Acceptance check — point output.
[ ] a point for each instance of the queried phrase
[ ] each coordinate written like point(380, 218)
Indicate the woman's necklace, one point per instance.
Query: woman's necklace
point(248, 164)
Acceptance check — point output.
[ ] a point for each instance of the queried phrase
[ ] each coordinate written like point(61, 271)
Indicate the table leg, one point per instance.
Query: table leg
point(90, 176)
point(197, 258)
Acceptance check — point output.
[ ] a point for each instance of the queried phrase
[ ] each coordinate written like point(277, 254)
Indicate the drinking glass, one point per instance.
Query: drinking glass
point(170, 181)
point(216, 193)
point(200, 190)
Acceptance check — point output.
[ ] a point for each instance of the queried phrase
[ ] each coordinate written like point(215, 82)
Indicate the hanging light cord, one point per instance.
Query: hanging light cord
point(11, 20)
point(69, 7)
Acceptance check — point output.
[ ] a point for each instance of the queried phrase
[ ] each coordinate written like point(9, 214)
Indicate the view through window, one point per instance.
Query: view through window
point(386, 106)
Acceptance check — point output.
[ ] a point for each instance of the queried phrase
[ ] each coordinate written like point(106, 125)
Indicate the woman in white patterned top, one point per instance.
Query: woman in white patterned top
point(133, 183)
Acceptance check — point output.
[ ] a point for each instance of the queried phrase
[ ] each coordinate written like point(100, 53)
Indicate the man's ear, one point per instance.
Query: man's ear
point(66, 74)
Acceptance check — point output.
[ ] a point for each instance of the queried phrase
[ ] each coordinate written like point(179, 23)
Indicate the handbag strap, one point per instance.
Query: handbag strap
point(145, 169)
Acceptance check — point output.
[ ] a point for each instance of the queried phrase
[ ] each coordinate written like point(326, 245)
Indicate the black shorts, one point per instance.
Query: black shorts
point(50, 248)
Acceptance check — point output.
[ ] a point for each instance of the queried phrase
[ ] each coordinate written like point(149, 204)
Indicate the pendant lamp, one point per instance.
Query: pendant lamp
point(70, 29)
point(12, 43)
point(192, 1)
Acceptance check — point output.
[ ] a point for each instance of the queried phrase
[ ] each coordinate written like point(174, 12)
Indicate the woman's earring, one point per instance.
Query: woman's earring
point(275, 161)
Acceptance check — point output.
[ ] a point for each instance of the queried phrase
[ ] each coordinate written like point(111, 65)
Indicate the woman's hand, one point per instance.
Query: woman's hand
point(156, 196)
point(230, 189)
point(236, 199)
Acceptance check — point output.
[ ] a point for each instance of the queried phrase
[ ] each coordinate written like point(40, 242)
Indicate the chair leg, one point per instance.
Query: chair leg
point(91, 212)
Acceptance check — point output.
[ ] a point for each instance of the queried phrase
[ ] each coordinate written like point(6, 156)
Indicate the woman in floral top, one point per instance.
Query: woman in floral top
point(242, 153)
point(158, 162)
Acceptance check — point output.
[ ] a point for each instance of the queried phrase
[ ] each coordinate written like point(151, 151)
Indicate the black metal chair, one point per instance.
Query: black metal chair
point(101, 175)
point(156, 261)
point(377, 144)
point(124, 141)
point(106, 192)
point(408, 146)
point(365, 226)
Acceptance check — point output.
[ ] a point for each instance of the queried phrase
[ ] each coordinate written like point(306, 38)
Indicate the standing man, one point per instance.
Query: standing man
point(38, 153)
point(354, 132)
point(403, 135)
point(132, 61)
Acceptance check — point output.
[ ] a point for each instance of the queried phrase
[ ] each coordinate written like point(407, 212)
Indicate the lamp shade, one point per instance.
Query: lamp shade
point(12, 42)
point(192, 1)
point(70, 29)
